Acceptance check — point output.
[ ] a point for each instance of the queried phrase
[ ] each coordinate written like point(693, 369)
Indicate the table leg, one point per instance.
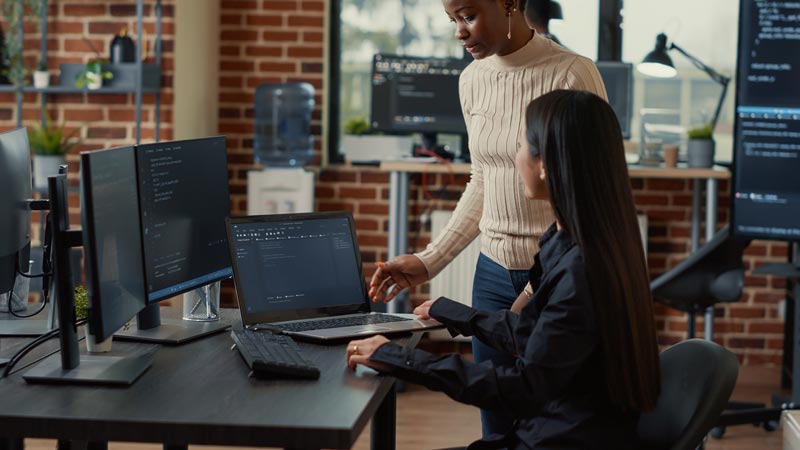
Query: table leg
point(12, 444)
point(382, 433)
point(398, 229)
point(711, 229)
point(176, 446)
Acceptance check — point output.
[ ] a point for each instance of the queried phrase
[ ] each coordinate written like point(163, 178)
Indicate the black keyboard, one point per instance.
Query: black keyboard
point(273, 355)
point(365, 319)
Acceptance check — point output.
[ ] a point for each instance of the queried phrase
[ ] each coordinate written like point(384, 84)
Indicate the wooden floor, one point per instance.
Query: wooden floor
point(428, 420)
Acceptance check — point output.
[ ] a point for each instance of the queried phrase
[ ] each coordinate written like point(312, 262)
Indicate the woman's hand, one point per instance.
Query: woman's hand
point(520, 302)
point(423, 311)
point(400, 272)
point(359, 352)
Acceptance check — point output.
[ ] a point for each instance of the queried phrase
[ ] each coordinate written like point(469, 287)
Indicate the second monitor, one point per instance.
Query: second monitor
point(183, 203)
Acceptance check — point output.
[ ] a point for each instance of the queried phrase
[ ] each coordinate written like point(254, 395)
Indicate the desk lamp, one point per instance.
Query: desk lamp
point(658, 64)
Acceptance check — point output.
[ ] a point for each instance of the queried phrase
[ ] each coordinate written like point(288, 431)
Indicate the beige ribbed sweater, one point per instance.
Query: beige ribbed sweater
point(494, 94)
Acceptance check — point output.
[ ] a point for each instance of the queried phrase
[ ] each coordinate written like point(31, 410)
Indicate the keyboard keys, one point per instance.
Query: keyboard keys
point(365, 319)
point(273, 356)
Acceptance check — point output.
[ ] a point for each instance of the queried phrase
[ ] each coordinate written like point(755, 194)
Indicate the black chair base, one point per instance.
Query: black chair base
point(756, 414)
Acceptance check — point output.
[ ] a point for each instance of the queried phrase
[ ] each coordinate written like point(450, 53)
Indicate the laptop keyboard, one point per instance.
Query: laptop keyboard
point(273, 355)
point(365, 319)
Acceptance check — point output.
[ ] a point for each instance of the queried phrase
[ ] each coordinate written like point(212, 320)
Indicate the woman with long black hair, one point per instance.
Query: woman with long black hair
point(512, 66)
point(586, 359)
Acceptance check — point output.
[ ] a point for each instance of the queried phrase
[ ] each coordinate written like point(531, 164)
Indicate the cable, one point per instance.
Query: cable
point(11, 294)
point(32, 345)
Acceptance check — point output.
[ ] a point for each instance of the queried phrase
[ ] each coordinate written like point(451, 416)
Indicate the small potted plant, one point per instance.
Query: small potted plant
point(50, 145)
point(700, 148)
point(93, 75)
point(360, 144)
point(41, 77)
point(82, 312)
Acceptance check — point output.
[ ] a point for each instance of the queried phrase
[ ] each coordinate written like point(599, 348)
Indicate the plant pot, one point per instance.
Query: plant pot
point(700, 153)
point(43, 167)
point(94, 80)
point(41, 79)
point(92, 346)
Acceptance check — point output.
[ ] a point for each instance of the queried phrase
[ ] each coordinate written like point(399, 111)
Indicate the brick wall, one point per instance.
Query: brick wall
point(283, 40)
point(103, 120)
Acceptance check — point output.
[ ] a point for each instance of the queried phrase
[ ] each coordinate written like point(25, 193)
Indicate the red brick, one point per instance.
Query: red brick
point(238, 35)
point(231, 19)
point(333, 175)
point(313, 6)
point(765, 328)
point(271, 20)
point(279, 5)
point(744, 311)
point(85, 10)
point(373, 208)
point(239, 4)
point(740, 342)
point(263, 50)
point(282, 36)
point(305, 21)
point(241, 66)
point(768, 297)
point(83, 115)
point(305, 52)
point(106, 132)
point(357, 193)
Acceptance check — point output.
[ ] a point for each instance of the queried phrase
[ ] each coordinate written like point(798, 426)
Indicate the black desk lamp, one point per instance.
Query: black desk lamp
point(658, 64)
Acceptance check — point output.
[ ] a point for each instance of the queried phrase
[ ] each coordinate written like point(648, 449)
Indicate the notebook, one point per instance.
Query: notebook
point(300, 274)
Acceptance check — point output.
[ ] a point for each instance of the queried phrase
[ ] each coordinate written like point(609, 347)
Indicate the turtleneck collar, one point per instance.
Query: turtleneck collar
point(520, 58)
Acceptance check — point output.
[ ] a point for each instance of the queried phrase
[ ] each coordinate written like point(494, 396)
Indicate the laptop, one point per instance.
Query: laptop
point(300, 274)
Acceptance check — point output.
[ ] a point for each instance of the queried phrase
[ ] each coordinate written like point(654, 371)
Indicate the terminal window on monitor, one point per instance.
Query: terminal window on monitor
point(618, 79)
point(766, 191)
point(417, 95)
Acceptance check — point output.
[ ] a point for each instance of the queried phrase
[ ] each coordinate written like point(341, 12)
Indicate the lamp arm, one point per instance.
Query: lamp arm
point(713, 74)
point(716, 76)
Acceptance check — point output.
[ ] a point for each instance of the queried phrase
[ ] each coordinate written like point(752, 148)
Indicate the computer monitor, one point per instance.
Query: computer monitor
point(618, 78)
point(765, 201)
point(15, 216)
point(111, 239)
point(183, 201)
point(417, 95)
point(110, 232)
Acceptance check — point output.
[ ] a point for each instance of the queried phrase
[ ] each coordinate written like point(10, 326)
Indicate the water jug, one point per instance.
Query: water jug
point(283, 124)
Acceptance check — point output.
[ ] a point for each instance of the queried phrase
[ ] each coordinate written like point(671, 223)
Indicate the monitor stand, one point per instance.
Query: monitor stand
point(150, 327)
point(11, 326)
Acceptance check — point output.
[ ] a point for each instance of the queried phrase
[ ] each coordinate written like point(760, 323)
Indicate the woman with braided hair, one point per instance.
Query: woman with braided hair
point(512, 66)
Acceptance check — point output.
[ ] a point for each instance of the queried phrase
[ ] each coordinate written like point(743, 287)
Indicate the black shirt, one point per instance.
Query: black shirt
point(556, 388)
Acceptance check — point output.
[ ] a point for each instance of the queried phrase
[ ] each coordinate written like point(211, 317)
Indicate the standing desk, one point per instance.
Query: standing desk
point(398, 206)
point(200, 393)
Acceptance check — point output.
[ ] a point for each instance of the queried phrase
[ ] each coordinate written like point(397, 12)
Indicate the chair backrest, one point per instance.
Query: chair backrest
point(697, 378)
point(712, 274)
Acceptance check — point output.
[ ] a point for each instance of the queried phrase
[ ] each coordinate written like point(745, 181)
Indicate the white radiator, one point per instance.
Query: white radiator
point(455, 281)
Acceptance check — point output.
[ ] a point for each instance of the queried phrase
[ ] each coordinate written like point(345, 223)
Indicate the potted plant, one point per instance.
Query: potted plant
point(360, 144)
point(14, 11)
point(41, 77)
point(92, 75)
point(700, 149)
point(50, 145)
point(82, 312)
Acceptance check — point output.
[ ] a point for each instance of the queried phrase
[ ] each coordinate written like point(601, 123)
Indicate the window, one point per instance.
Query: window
point(706, 30)
point(361, 28)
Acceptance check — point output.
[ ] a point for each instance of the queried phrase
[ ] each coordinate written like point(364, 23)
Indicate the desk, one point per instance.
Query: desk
point(199, 393)
point(398, 206)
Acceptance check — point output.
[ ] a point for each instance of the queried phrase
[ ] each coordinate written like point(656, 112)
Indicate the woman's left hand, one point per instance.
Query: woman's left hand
point(359, 352)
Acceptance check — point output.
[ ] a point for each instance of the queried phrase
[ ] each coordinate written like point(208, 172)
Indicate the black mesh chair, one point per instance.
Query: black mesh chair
point(715, 274)
point(697, 378)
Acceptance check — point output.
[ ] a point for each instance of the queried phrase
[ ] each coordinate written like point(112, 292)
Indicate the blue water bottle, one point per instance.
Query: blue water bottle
point(283, 124)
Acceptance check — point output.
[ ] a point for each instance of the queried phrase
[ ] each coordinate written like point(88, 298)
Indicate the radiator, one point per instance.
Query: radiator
point(455, 281)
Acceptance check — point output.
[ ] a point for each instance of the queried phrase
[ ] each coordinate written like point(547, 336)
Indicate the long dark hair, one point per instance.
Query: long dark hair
point(579, 139)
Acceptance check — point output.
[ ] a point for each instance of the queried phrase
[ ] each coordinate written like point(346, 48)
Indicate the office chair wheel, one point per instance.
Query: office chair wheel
point(718, 432)
point(769, 425)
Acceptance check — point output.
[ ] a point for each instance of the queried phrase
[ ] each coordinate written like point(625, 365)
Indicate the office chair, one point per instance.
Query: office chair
point(697, 378)
point(714, 274)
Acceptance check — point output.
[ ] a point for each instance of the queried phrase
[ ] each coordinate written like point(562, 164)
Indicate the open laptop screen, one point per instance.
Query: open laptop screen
point(295, 264)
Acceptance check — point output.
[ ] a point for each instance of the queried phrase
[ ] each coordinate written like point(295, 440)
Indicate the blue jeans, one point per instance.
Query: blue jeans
point(493, 289)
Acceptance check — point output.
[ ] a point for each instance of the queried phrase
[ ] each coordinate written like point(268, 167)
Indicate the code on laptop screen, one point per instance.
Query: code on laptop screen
point(296, 265)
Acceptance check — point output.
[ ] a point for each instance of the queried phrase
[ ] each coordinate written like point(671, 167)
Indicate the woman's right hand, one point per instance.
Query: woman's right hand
point(400, 272)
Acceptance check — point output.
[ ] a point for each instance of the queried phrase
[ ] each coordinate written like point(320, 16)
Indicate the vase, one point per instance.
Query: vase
point(41, 79)
point(43, 167)
point(700, 153)
point(94, 80)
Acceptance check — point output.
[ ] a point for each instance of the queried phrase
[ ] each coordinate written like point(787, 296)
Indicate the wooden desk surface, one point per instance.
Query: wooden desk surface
point(200, 393)
point(636, 171)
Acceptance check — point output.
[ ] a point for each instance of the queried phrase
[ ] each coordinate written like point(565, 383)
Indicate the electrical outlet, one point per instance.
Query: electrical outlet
point(425, 218)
